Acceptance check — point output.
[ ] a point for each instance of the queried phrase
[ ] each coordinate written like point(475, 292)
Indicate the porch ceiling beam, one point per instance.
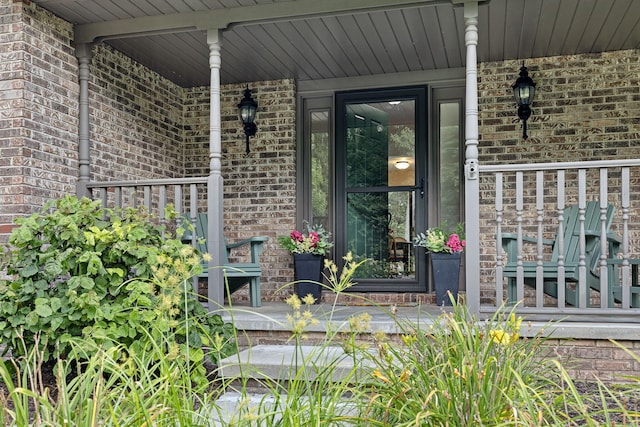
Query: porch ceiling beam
point(223, 18)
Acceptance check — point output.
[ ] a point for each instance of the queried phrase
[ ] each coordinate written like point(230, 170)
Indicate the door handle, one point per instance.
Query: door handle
point(420, 187)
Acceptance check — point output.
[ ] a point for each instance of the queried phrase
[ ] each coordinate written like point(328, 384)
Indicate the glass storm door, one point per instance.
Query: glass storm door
point(381, 160)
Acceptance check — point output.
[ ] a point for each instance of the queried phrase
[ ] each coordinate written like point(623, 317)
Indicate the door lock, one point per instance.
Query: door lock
point(420, 187)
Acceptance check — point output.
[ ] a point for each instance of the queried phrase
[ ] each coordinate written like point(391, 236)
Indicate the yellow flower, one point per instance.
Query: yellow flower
point(380, 376)
point(404, 375)
point(502, 337)
point(186, 251)
point(409, 339)
point(294, 302)
point(515, 323)
point(162, 273)
point(380, 336)
point(309, 299)
point(360, 323)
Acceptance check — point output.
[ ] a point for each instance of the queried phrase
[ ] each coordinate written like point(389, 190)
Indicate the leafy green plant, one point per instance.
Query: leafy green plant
point(151, 388)
point(460, 372)
point(317, 241)
point(111, 277)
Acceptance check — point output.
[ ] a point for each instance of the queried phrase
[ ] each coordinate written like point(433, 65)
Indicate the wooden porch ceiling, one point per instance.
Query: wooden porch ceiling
point(325, 39)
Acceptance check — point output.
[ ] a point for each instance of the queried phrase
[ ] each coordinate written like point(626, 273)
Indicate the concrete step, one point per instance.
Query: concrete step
point(262, 372)
point(235, 408)
point(282, 362)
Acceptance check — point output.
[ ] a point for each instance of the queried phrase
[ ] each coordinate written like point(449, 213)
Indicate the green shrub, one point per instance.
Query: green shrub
point(110, 277)
point(463, 372)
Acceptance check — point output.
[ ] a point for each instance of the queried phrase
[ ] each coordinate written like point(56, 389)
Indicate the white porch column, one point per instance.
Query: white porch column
point(215, 285)
point(472, 187)
point(83, 53)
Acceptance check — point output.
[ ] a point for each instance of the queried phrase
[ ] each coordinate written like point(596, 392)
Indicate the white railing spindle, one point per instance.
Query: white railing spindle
point(561, 271)
point(539, 247)
point(626, 273)
point(519, 262)
point(499, 256)
point(582, 258)
point(604, 203)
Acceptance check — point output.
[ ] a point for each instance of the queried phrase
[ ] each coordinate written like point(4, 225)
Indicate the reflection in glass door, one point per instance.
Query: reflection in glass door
point(383, 203)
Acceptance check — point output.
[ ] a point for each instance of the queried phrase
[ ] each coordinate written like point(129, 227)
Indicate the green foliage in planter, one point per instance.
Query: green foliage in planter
point(108, 277)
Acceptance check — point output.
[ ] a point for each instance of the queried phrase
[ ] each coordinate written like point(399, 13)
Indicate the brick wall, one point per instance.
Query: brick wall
point(38, 110)
point(136, 119)
point(259, 197)
point(587, 359)
point(587, 107)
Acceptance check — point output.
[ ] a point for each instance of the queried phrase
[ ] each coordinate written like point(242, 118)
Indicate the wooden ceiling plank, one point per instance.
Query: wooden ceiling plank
point(579, 26)
point(198, 5)
point(373, 40)
point(434, 36)
point(449, 31)
point(529, 27)
point(308, 45)
point(278, 61)
point(459, 24)
point(483, 33)
point(389, 41)
point(360, 43)
point(514, 18)
point(550, 27)
point(277, 41)
point(74, 13)
point(138, 9)
point(324, 43)
point(236, 67)
point(347, 49)
point(116, 12)
point(497, 10)
point(597, 21)
point(623, 15)
point(418, 35)
point(404, 39)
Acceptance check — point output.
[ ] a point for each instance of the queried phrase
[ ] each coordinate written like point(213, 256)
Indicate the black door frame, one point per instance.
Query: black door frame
point(420, 95)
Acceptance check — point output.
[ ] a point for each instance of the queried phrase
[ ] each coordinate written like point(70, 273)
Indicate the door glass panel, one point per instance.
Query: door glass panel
point(320, 172)
point(380, 180)
point(450, 176)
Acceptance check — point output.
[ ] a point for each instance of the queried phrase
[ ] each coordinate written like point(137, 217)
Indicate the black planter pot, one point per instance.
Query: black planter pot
point(308, 275)
point(445, 269)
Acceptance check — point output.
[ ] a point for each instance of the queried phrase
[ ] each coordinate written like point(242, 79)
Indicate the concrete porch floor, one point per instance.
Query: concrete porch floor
point(272, 316)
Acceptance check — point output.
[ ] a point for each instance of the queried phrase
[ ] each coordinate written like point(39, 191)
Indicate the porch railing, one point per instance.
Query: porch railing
point(187, 195)
point(529, 201)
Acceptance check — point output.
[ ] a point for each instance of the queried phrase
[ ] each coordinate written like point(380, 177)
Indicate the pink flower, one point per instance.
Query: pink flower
point(455, 244)
point(297, 236)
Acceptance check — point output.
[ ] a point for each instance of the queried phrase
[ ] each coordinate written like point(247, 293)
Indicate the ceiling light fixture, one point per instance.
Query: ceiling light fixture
point(402, 164)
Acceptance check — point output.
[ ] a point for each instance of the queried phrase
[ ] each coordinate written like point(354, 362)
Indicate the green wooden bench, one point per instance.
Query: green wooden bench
point(615, 284)
point(571, 254)
point(236, 274)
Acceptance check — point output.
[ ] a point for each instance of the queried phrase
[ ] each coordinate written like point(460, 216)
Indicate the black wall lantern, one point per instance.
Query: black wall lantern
point(247, 109)
point(523, 91)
